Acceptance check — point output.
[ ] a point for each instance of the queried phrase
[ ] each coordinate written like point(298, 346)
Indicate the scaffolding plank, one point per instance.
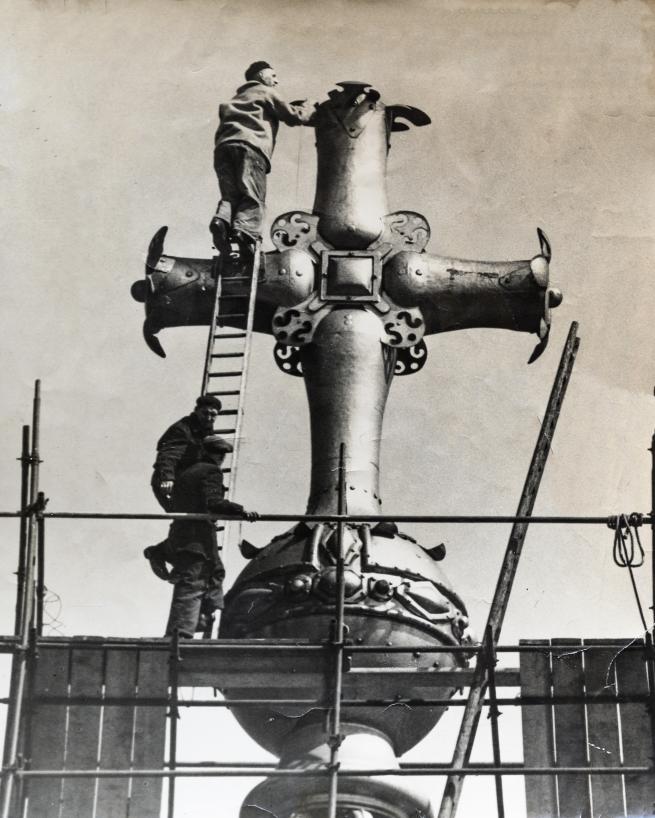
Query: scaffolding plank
point(206, 667)
point(48, 732)
point(537, 723)
point(603, 730)
point(636, 733)
point(570, 732)
point(86, 679)
point(149, 734)
point(117, 732)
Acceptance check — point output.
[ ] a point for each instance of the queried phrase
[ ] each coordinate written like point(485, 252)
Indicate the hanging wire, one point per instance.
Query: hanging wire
point(52, 608)
point(300, 135)
point(628, 551)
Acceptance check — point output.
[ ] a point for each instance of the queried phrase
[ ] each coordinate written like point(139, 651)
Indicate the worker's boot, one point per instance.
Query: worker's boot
point(242, 248)
point(220, 229)
point(157, 563)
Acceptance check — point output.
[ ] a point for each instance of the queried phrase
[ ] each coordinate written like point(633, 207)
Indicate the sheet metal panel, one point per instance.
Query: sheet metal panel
point(538, 740)
point(86, 679)
point(117, 733)
point(48, 732)
point(149, 735)
point(636, 731)
point(604, 748)
point(570, 728)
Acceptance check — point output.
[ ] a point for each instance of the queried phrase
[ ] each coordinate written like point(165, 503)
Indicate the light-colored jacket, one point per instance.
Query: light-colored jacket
point(253, 115)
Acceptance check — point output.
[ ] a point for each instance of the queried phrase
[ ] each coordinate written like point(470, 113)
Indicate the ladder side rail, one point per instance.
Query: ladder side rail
point(211, 336)
point(244, 371)
point(471, 717)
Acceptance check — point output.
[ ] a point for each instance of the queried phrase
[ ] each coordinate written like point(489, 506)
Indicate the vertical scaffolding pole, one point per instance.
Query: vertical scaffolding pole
point(11, 757)
point(22, 536)
point(648, 636)
point(174, 715)
point(40, 564)
point(338, 636)
point(652, 523)
point(509, 567)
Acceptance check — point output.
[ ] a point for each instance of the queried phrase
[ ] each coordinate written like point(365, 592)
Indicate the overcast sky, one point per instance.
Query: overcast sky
point(543, 114)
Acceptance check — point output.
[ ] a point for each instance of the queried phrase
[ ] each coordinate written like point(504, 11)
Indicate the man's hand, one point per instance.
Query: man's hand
point(166, 487)
point(251, 516)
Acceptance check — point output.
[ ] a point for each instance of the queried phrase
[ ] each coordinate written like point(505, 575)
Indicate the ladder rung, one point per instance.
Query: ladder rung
point(227, 355)
point(225, 374)
point(236, 278)
point(232, 314)
point(224, 431)
point(228, 412)
point(231, 335)
point(226, 392)
point(220, 528)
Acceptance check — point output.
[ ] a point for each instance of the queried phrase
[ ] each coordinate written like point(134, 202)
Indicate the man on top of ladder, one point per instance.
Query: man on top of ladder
point(244, 144)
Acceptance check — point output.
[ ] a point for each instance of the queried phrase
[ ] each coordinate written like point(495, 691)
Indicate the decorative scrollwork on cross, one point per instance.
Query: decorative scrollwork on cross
point(403, 327)
point(288, 359)
point(294, 229)
point(403, 230)
point(411, 359)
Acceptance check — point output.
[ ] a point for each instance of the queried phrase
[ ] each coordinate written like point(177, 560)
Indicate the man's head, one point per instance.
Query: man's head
point(206, 411)
point(261, 71)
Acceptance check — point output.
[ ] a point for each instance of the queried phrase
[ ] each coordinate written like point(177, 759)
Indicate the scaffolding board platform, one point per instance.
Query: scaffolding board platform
point(229, 663)
point(585, 733)
point(57, 735)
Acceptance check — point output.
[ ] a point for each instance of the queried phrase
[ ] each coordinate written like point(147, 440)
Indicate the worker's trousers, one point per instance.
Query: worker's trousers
point(241, 173)
point(198, 588)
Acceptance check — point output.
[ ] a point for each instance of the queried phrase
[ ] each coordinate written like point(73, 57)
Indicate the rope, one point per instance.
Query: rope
point(300, 135)
point(625, 554)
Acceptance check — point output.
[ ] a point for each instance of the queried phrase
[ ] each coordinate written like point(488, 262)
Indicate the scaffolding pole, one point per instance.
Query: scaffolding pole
point(338, 637)
point(25, 463)
point(40, 564)
point(466, 519)
point(12, 761)
point(174, 715)
point(471, 716)
point(652, 523)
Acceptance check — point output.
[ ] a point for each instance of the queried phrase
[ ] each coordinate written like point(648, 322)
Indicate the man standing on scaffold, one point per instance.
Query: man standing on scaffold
point(244, 144)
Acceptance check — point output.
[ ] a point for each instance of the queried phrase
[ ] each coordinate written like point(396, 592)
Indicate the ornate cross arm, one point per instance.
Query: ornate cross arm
point(180, 292)
point(460, 294)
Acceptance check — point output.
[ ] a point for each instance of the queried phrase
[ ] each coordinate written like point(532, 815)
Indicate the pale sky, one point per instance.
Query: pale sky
point(542, 114)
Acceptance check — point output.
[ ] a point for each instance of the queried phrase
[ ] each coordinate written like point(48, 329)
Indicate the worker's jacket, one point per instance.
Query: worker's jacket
point(178, 448)
point(199, 489)
point(253, 116)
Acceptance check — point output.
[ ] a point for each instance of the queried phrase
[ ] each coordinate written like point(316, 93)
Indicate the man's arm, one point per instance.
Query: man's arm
point(171, 447)
point(293, 113)
point(215, 500)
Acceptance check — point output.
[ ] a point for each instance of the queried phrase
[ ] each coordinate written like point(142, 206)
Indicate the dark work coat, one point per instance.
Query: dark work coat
point(177, 448)
point(199, 489)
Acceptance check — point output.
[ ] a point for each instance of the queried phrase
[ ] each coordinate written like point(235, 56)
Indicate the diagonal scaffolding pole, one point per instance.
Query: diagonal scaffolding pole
point(479, 684)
